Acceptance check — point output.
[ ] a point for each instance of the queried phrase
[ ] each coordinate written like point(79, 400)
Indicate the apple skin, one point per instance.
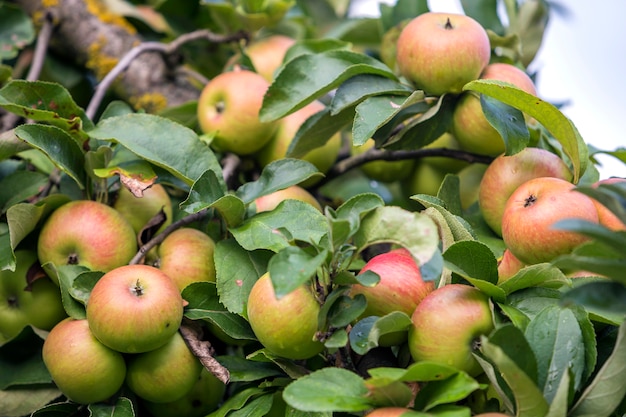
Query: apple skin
point(285, 326)
point(384, 171)
point(186, 256)
point(322, 157)
point(491, 415)
point(134, 308)
point(425, 179)
point(270, 201)
point(469, 183)
point(531, 211)
point(469, 124)
point(139, 210)
point(508, 265)
point(88, 233)
point(606, 216)
point(446, 324)
point(204, 397)
point(388, 412)
point(267, 54)
point(506, 173)
point(164, 374)
point(84, 369)
point(448, 165)
point(441, 52)
point(229, 106)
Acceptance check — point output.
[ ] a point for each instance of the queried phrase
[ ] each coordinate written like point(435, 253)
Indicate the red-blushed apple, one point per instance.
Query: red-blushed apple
point(441, 52)
point(447, 324)
point(134, 308)
point(384, 171)
point(469, 124)
point(270, 201)
point(164, 374)
point(322, 157)
point(140, 210)
point(285, 326)
point(532, 210)
point(492, 415)
point(228, 109)
point(186, 256)
point(88, 233)
point(508, 265)
point(85, 370)
point(605, 216)
point(267, 54)
point(204, 397)
point(505, 173)
point(388, 412)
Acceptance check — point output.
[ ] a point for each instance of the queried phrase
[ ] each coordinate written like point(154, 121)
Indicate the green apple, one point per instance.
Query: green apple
point(267, 54)
point(425, 179)
point(270, 201)
point(384, 171)
point(469, 124)
point(446, 325)
point(228, 109)
point(88, 233)
point(186, 256)
point(134, 308)
point(285, 326)
point(203, 398)
point(532, 210)
point(469, 183)
point(441, 52)
point(444, 163)
point(140, 210)
point(322, 157)
point(164, 374)
point(506, 173)
point(85, 370)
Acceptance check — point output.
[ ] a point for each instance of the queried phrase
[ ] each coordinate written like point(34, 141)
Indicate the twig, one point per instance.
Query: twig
point(41, 48)
point(165, 48)
point(203, 350)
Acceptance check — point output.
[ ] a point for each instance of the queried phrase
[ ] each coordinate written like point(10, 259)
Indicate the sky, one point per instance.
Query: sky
point(582, 61)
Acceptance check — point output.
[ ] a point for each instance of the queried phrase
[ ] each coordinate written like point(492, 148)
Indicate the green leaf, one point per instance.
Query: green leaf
point(22, 401)
point(21, 363)
point(543, 274)
point(314, 46)
point(291, 267)
point(237, 401)
point(350, 213)
point(446, 391)
point(612, 196)
point(58, 146)
point(345, 310)
point(547, 114)
point(66, 275)
point(607, 390)
point(11, 145)
point(244, 370)
point(516, 346)
point(16, 31)
point(328, 389)
point(602, 297)
point(472, 259)
point(123, 407)
point(291, 220)
point(424, 371)
point(163, 142)
point(484, 12)
point(594, 257)
point(560, 401)
point(309, 76)
point(360, 87)
point(367, 333)
point(616, 240)
point(20, 186)
point(508, 121)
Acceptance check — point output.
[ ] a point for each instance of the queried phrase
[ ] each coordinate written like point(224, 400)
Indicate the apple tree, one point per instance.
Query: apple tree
point(333, 147)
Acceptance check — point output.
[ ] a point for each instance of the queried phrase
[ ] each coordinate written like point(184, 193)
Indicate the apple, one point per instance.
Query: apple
point(530, 213)
point(134, 308)
point(140, 210)
point(508, 265)
point(491, 415)
point(469, 183)
point(270, 201)
point(441, 52)
point(204, 397)
point(506, 173)
point(389, 412)
point(88, 233)
point(164, 374)
point(228, 109)
point(469, 124)
point(287, 326)
point(444, 163)
point(384, 171)
point(85, 370)
point(446, 325)
point(425, 179)
point(605, 216)
point(267, 54)
point(322, 157)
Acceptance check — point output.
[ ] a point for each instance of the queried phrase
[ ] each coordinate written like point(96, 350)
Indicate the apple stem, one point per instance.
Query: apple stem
point(448, 25)
point(138, 289)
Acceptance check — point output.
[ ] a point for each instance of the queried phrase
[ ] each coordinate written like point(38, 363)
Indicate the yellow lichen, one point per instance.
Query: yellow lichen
point(97, 61)
point(150, 102)
point(100, 10)
point(49, 3)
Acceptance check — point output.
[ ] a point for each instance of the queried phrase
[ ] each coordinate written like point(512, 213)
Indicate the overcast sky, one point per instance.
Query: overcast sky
point(583, 62)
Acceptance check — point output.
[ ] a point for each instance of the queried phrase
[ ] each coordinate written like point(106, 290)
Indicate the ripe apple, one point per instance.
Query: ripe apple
point(228, 108)
point(164, 374)
point(446, 325)
point(270, 201)
point(384, 171)
point(508, 265)
point(506, 173)
point(285, 326)
point(388, 412)
point(469, 124)
point(140, 210)
point(204, 397)
point(134, 308)
point(441, 52)
point(267, 54)
point(531, 211)
point(89, 233)
point(84, 369)
point(186, 256)
point(606, 216)
point(322, 157)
